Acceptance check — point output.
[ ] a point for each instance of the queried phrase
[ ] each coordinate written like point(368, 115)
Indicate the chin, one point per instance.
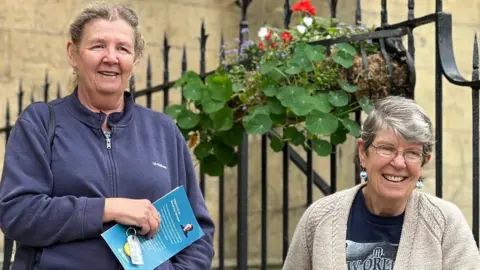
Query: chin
point(391, 190)
point(108, 90)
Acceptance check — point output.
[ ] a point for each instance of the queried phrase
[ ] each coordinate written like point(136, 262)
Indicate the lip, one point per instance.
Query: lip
point(405, 178)
point(109, 71)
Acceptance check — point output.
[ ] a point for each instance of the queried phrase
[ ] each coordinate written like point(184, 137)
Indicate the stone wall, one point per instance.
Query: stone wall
point(32, 41)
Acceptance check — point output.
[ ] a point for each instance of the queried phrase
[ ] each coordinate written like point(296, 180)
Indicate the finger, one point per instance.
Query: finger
point(152, 221)
point(144, 228)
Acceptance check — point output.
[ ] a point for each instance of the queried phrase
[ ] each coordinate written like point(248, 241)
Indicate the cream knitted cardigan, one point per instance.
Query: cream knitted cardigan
point(435, 235)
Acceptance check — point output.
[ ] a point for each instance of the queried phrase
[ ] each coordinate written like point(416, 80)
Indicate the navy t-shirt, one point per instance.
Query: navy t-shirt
point(372, 240)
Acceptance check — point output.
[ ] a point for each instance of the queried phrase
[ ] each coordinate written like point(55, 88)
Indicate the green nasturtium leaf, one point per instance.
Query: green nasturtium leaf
point(226, 154)
point(209, 105)
point(338, 98)
point(321, 147)
point(293, 68)
point(187, 119)
point(174, 110)
point(212, 166)
point(342, 58)
point(321, 103)
point(187, 77)
point(366, 104)
point(237, 87)
point(295, 136)
point(257, 124)
point(351, 126)
point(267, 66)
point(276, 143)
point(203, 149)
point(320, 123)
point(302, 105)
point(275, 106)
point(219, 87)
point(287, 94)
point(346, 86)
point(315, 53)
point(222, 119)
point(347, 48)
point(193, 91)
point(233, 136)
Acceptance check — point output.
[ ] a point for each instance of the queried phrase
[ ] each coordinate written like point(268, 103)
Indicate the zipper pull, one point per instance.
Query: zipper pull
point(109, 143)
point(108, 140)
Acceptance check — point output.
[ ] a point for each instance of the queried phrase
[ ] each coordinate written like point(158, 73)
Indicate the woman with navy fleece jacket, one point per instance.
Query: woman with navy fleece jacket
point(111, 158)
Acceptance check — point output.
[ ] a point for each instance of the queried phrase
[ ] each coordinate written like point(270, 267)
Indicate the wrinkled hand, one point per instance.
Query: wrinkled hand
point(131, 212)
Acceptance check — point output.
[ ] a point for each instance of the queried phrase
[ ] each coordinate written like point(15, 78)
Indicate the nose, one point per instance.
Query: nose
point(110, 57)
point(399, 160)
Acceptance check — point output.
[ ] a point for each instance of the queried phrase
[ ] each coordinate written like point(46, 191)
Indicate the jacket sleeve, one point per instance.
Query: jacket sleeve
point(299, 254)
point(28, 212)
point(198, 255)
point(458, 246)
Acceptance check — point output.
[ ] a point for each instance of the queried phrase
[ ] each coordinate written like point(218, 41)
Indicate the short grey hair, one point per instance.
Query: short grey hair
point(404, 117)
point(107, 11)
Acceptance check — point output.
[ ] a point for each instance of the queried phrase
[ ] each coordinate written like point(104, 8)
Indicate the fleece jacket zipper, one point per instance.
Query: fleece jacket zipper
point(108, 145)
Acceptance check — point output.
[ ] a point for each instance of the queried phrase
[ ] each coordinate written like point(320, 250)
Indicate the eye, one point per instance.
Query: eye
point(386, 148)
point(97, 46)
point(413, 153)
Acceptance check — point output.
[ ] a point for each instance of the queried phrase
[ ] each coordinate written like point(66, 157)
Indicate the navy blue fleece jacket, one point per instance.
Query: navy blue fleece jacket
point(52, 203)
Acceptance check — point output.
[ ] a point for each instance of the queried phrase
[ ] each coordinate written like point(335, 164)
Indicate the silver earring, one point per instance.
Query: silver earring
point(363, 175)
point(419, 184)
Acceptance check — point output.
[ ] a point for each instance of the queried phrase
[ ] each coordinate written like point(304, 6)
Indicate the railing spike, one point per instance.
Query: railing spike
point(149, 72)
point(475, 55)
point(184, 59)
point(358, 13)
point(7, 113)
point(384, 13)
point(333, 8)
point(20, 97)
point(222, 50)
point(287, 15)
point(59, 90)
point(132, 85)
point(46, 86)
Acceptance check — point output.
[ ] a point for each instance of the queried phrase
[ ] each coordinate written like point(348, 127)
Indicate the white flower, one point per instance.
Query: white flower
point(263, 32)
point(308, 21)
point(328, 37)
point(301, 29)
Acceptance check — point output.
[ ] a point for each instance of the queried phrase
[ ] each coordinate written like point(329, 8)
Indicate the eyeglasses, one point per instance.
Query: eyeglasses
point(410, 156)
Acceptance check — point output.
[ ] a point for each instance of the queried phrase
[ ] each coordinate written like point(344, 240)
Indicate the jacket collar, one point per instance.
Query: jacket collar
point(95, 120)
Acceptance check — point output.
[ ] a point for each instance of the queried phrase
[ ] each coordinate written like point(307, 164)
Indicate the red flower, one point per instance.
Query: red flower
point(269, 35)
point(273, 45)
point(286, 36)
point(261, 46)
point(305, 6)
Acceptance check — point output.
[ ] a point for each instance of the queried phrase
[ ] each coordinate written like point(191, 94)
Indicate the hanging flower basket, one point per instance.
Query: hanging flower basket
point(283, 83)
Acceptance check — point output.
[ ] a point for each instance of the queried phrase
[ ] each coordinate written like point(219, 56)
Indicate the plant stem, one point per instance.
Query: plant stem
point(286, 77)
point(349, 111)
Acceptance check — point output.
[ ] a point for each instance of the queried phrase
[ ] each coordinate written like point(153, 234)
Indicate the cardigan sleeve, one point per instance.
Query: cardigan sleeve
point(299, 256)
point(458, 246)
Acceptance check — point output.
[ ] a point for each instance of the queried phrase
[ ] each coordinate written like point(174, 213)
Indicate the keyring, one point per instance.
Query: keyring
point(131, 228)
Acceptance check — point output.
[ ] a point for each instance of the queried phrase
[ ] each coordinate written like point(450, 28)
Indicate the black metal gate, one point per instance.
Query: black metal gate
point(445, 68)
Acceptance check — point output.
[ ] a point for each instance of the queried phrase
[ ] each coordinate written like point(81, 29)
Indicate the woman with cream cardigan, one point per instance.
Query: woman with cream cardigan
point(386, 222)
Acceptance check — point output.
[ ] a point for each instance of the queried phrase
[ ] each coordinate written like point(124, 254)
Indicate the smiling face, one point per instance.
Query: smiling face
point(391, 176)
point(105, 57)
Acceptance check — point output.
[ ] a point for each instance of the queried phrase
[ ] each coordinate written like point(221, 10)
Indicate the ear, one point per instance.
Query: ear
point(71, 54)
point(361, 152)
point(427, 159)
